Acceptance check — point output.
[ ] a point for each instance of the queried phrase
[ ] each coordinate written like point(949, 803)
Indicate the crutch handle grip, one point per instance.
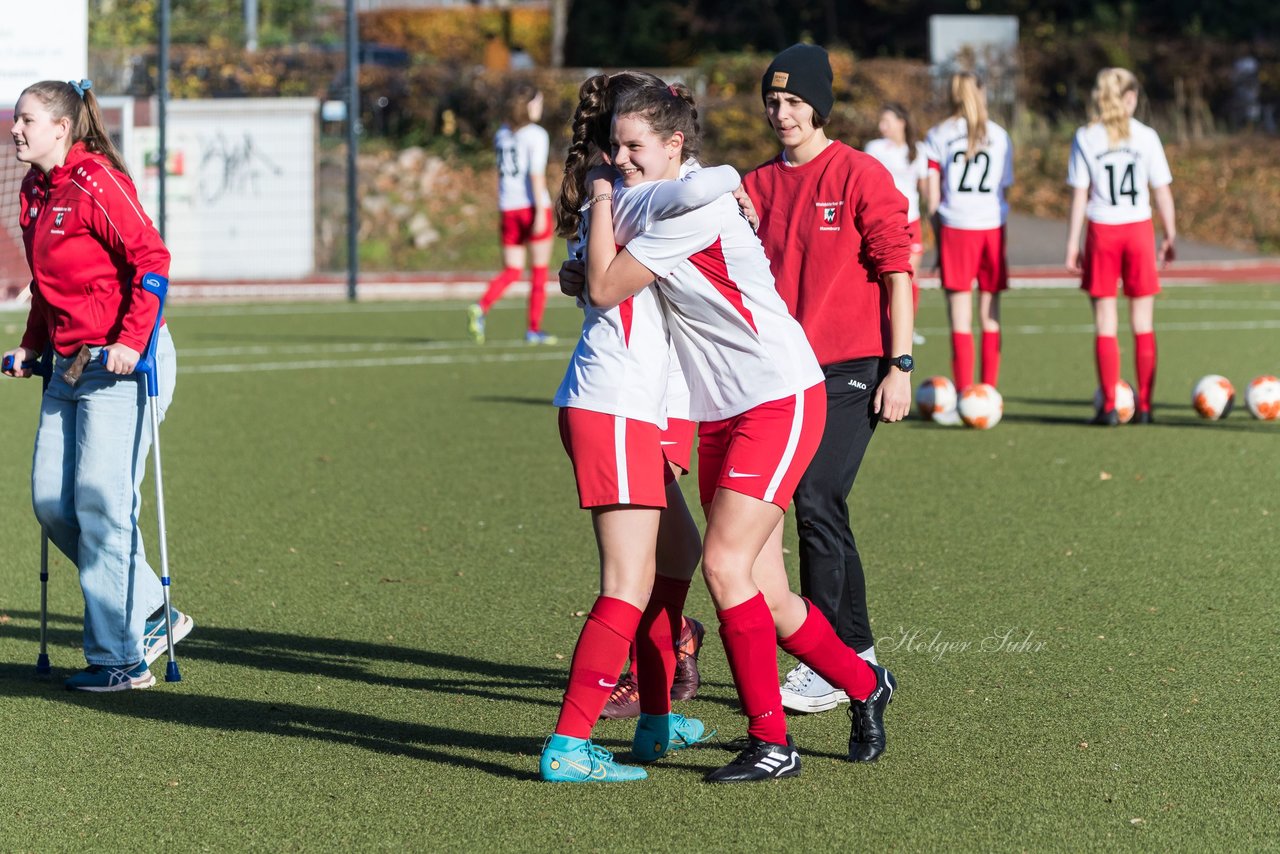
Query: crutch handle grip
point(157, 286)
point(36, 366)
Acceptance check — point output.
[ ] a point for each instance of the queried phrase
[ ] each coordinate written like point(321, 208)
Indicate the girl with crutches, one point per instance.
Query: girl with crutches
point(90, 245)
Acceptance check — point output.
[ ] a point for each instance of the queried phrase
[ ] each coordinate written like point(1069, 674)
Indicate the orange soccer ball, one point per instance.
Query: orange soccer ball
point(981, 406)
point(1213, 397)
point(1124, 401)
point(1263, 398)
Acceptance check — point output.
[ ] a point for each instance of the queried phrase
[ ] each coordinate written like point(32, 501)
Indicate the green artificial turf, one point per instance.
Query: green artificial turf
point(375, 528)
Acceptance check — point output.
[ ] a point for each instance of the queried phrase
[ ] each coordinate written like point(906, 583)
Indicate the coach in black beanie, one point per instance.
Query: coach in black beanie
point(805, 71)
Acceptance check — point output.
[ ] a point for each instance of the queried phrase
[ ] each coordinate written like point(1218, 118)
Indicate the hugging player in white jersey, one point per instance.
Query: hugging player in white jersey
point(758, 391)
point(614, 408)
point(1114, 159)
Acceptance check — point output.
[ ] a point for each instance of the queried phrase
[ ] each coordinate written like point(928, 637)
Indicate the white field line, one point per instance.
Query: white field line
point(519, 352)
point(1161, 326)
point(335, 364)
point(1161, 304)
point(322, 349)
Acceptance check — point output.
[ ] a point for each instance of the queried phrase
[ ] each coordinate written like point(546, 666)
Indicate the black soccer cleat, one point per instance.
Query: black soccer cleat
point(761, 760)
point(866, 732)
point(1143, 416)
point(1106, 418)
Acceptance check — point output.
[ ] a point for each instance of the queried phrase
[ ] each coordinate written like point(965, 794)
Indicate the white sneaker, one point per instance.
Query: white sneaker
point(806, 691)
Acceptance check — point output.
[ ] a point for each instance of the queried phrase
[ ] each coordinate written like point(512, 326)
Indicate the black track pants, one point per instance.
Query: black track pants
point(830, 568)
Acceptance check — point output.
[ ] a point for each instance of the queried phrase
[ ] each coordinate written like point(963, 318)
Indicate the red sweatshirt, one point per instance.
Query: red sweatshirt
point(88, 242)
point(830, 228)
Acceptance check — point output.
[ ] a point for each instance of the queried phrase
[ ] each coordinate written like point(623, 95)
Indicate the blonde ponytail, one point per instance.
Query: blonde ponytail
point(969, 101)
point(1108, 107)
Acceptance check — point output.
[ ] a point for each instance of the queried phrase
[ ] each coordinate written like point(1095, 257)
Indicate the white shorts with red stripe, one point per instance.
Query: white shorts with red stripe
point(764, 451)
point(616, 460)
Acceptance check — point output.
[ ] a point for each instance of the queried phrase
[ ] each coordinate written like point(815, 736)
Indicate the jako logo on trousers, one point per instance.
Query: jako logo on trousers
point(858, 384)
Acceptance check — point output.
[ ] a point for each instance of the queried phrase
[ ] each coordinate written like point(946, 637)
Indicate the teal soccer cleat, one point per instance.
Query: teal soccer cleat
point(577, 760)
point(658, 735)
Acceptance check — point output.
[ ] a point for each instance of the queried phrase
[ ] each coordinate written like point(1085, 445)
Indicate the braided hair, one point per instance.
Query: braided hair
point(598, 99)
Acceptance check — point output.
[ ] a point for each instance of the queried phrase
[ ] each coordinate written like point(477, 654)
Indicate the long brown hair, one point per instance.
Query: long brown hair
point(969, 101)
point(516, 108)
point(1108, 102)
point(65, 101)
point(591, 126)
point(908, 128)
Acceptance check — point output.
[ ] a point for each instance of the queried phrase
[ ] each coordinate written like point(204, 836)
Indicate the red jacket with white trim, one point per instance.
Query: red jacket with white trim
point(88, 243)
point(831, 228)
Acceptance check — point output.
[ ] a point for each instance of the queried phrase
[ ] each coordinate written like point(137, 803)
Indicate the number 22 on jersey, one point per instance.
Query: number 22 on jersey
point(976, 174)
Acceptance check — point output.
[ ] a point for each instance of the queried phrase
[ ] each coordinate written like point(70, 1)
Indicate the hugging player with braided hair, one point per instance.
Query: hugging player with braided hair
point(624, 423)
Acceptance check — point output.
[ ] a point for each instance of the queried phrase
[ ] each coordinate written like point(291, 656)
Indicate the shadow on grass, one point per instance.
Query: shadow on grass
point(332, 658)
point(313, 657)
point(501, 398)
point(224, 714)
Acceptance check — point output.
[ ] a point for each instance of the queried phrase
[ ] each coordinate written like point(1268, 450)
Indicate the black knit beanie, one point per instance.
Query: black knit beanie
point(805, 71)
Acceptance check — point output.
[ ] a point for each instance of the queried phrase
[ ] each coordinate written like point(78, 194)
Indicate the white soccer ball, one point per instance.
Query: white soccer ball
point(936, 399)
point(1213, 397)
point(1263, 398)
point(981, 406)
point(1124, 401)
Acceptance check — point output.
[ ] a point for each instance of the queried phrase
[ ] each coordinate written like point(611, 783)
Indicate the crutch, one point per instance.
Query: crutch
point(157, 286)
point(43, 368)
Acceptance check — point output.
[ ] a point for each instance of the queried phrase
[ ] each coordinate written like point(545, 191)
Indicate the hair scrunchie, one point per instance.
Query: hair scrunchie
point(81, 86)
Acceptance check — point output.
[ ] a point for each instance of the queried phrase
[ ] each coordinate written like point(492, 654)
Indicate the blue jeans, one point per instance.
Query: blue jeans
point(90, 458)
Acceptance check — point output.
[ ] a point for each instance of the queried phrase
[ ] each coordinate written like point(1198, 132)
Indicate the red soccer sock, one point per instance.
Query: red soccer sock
point(655, 644)
point(1145, 357)
point(1106, 351)
point(991, 342)
point(597, 661)
point(537, 297)
point(816, 644)
point(962, 359)
point(497, 285)
point(751, 645)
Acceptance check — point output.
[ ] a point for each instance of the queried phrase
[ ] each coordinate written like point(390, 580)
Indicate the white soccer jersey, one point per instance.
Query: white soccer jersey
point(1118, 178)
point(972, 190)
point(521, 155)
point(906, 173)
point(736, 341)
point(623, 363)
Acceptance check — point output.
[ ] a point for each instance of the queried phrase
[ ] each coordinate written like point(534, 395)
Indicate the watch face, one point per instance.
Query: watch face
point(905, 363)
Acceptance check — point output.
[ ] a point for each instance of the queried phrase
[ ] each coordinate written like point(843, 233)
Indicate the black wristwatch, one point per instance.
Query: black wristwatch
point(903, 363)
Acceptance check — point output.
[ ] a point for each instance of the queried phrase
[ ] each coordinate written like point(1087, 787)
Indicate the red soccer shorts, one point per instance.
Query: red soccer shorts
point(762, 452)
point(1114, 252)
point(517, 227)
point(968, 255)
point(917, 238)
point(615, 460)
point(677, 442)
